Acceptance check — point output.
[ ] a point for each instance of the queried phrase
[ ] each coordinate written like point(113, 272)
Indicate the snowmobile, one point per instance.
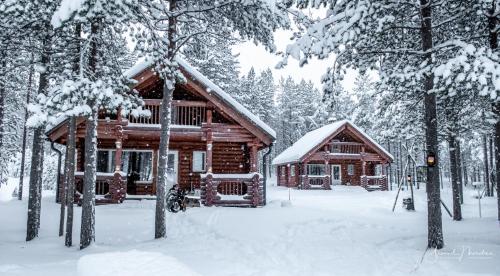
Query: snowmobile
point(176, 200)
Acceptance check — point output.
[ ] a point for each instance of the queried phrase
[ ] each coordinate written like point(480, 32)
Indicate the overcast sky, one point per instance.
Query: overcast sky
point(260, 59)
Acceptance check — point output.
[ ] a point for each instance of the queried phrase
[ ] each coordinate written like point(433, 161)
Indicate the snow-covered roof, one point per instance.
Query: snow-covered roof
point(314, 138)
point(211, 88)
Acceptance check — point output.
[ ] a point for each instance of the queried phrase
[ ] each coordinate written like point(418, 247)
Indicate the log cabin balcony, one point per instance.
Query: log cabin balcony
point(184, 113)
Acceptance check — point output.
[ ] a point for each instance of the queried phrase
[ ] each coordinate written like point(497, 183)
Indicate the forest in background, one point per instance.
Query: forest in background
point(437, 93)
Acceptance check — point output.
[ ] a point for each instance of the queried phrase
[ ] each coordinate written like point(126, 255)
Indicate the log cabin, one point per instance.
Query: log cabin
point(335, 154)
point(213, 149)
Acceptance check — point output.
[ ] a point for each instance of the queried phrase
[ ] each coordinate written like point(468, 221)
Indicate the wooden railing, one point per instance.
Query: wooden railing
point(315, 181)
point(232, 189)
point(185, 113)
point(102, 183)
point(346, 147)
point(376, 182)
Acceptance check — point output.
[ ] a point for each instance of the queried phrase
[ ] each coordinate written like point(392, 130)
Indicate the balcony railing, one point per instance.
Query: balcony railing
point(184, 113)
point(346, 147)
point(315, 181)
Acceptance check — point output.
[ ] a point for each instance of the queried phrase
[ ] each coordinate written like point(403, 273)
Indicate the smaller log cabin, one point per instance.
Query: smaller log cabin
point(213, 149)
point(335, 154)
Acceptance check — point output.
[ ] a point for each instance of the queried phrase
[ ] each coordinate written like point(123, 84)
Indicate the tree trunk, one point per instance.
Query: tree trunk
point(390, 167)
point(3, 73)
point(460, 181)
point(493, 38)
point(457, 210)
point(70, 179)
point(435, 230)
point(168, 90)
point(486, 166)
point(71, 152)
point(25, 130)
point(465, 168)
point(62, 196)
point(36, 171)
point(87, 232)
point(491, 171)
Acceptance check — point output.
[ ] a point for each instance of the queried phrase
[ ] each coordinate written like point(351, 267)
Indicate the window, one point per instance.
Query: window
point(292, 170)
point(199, 161)
point(315, 169)
point(378, 169)
point(105, 161)
point(350, 169)
point(138, 165)
point(283, 170)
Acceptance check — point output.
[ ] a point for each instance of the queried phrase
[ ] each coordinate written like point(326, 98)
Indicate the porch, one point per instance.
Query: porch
point(242, 190)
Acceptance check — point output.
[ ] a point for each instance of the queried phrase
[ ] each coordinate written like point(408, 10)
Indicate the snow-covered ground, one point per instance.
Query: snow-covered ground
point(346, 231)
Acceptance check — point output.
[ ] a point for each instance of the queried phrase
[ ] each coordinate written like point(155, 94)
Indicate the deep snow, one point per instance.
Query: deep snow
point(346, 231)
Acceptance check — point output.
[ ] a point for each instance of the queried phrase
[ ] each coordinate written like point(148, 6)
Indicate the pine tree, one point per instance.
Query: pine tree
point(214, 59)
point(182, 21)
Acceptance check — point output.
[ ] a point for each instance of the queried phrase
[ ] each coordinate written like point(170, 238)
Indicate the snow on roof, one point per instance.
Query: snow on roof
point(313, 138)
point(211, 87)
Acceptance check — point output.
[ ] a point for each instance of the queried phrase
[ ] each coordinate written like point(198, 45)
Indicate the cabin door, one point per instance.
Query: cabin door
point(336, 175)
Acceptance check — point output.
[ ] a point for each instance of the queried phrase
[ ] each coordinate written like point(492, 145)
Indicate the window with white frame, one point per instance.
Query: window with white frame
point(199, 161)
point(283, 170)
point(350, 169)
point(315, 169)
point(292, 170)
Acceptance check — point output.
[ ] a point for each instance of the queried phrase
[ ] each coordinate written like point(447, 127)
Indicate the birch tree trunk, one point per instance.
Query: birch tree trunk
point(36, 171)
point(168, 89)
point(435, 230)
point(457, 210)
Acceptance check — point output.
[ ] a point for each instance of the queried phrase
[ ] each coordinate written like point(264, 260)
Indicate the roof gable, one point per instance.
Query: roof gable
point(317, 138)
point(214, 94)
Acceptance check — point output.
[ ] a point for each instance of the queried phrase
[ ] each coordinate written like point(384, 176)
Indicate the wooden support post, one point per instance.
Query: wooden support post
point(305, 180)
point(209, 141)
point(256, 198)
point(155, 170)
point(326, 181)
point(253, 160)
point(118, 155)
point(118, 187)
point(209, 193)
